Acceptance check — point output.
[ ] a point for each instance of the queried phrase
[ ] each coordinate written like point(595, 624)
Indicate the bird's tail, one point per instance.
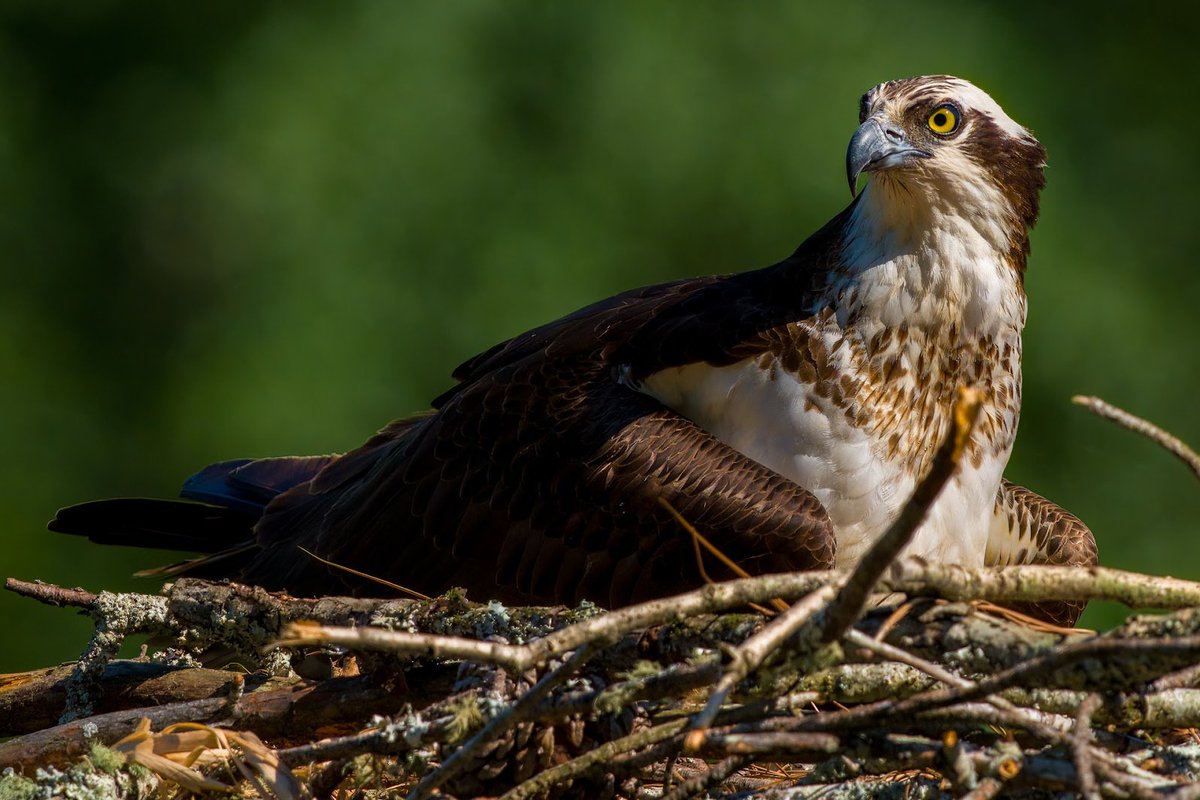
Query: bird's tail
point(221, 506)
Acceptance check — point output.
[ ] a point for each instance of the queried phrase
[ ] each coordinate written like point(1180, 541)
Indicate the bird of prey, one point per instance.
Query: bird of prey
point(786, 412)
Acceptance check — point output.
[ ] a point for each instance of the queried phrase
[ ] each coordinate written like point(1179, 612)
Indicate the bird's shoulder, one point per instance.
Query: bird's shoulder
point(716, 319)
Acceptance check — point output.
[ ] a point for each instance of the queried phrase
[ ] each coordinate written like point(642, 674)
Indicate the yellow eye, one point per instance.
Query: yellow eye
point(943, 120)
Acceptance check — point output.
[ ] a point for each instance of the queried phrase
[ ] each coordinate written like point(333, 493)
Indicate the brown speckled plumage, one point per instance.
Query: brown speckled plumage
point(1030, 529)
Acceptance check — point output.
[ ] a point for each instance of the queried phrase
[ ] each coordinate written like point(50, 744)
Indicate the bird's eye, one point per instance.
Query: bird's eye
point(943, 120)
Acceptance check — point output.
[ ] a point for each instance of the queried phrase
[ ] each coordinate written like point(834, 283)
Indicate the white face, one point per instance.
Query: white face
point(941, 231)
point(974, 99)
point(946, 144)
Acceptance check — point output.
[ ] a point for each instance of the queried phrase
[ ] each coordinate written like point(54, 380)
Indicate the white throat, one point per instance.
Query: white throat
point(929, 255)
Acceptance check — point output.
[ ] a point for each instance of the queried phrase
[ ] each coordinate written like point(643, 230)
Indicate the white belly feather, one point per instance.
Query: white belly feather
point(775, 419)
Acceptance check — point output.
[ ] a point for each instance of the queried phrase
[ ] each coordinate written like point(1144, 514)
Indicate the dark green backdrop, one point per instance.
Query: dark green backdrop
point(269, 228)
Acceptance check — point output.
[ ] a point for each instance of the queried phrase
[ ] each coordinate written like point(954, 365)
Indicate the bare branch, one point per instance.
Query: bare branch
point(1081, 739)
point(50, 594)
point(1171, 443)
point(512, 657)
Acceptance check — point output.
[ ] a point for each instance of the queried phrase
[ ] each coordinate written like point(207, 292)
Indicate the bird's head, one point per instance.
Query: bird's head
point(942, 141)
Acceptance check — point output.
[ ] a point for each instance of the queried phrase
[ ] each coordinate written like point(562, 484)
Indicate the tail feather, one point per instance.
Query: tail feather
point(222, 504)
point(166, 524)
point(220, 513)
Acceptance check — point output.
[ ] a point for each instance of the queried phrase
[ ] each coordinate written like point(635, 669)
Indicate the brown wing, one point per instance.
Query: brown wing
point(537, 477)
point(1029, 529)
point(539, 482)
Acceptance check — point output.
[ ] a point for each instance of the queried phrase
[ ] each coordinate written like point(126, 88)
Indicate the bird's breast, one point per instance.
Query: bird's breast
point(855, 419)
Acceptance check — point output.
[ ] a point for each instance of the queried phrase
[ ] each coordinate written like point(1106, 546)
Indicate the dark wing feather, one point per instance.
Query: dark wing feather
point(1029, 529)
point(540, 482)
point(249, 484)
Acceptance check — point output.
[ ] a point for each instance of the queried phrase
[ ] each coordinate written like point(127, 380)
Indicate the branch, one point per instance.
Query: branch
point(1081, 749)
point(50, 594)
point(582, 765)
point(1172, 444)
point(516, 658)
point(1034, 583)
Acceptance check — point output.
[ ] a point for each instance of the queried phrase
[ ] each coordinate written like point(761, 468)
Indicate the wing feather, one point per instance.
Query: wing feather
point(1029, 529)
point(574, 467)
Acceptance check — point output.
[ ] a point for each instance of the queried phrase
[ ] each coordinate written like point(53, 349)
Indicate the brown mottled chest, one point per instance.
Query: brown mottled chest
point(898, 384)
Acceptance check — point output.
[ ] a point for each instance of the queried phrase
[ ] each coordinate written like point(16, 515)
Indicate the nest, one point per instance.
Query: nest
point(900, 678)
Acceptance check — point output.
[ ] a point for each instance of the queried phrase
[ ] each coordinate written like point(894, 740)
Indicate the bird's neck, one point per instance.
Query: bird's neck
point(934, 258)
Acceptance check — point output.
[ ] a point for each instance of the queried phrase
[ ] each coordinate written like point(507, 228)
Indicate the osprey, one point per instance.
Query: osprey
point(786, 412)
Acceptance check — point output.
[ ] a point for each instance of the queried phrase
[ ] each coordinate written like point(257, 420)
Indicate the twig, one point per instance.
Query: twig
point(1129, 778)
point(700, 540)
point(1112, 651)
point(1171, 443)
point(413, 593)
point(676, 680)
point(669, 773)
point(860, 639)
point(1081, 750)
point(1030, 720)
point(1185, 678)
point(1167, 708)
point(388, 739)
point(583, 764)
point(750, 655)
point(50, 594)
point(1033, 583)
point(629, 763)
point(793, 745)
point(515, 658)
point(519, 711)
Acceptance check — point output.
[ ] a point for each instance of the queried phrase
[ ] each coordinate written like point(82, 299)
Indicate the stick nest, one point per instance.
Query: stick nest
point(899, 679)
point(247, 691)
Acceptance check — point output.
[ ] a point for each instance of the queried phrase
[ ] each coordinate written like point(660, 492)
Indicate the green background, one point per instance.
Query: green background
point(269, 228)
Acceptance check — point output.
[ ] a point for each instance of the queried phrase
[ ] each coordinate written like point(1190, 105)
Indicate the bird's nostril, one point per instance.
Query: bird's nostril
point(895, 134)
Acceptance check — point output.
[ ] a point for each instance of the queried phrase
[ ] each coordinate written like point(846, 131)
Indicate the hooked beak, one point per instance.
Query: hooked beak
point(875, 146)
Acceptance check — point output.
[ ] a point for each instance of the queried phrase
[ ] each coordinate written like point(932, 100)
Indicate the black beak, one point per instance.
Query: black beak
point(876, 146)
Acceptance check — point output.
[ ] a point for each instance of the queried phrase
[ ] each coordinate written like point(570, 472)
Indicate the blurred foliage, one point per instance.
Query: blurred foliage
point(267, 228)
